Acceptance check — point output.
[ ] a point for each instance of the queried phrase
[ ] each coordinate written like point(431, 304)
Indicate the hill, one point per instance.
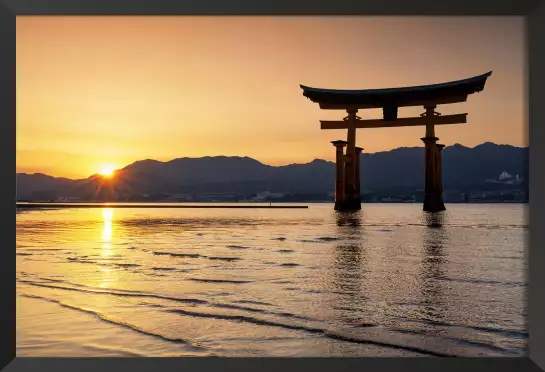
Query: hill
point(399, 170)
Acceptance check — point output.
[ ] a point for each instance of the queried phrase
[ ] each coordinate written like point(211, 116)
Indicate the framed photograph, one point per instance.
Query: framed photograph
point(273, 186)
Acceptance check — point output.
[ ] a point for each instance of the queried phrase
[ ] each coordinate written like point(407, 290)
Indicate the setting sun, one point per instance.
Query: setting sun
point(107, 170)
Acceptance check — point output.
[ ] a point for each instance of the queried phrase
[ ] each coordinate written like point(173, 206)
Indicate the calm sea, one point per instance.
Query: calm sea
point(390, 280)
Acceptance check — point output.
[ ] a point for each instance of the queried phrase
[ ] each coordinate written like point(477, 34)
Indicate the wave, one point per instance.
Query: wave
point(240, 318)
point(253, 302)
point(229, 259)
point(126, 293)
point(460, 341)
point(196, 255)
point(124, 353)
point(39, 249)
point(482, 281)
point(447, 225)
point(117, 322)
point(165, 269)
point(509, 333)
point(219, 281)
point(78, 285)
point(85, 260)
point(262, 311)
point(126, 265)
point(317, 331)
point(327, 239)
point(118, 293)
point(510, 257)
point(187, 255)
point(363, 325)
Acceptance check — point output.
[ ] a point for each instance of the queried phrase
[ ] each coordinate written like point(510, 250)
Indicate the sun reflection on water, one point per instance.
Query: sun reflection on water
point(108, 277)
point(107, 216)
point(107, 274)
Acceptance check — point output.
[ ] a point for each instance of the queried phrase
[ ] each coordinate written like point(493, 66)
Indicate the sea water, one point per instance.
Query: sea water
point(390, 280)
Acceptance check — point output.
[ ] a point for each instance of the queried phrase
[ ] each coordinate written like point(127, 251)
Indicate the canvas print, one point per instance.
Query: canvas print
point(271, 186)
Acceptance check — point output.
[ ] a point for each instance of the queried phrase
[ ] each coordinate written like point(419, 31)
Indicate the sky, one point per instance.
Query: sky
point(96, 91)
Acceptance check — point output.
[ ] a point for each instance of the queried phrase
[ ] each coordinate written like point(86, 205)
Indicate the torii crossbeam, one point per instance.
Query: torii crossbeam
point(347, 189)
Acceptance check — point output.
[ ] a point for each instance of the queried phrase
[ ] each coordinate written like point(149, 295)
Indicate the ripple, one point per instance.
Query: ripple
point(318, 331)
point(229, 259)
point(482, 281)
point(289, 264)
point(164, 268)
point(220, 281)
point(327, 239)
point(117, 322)
point(196, 255)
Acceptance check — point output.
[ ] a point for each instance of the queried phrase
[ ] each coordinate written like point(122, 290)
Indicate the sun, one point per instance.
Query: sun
point(107, 170)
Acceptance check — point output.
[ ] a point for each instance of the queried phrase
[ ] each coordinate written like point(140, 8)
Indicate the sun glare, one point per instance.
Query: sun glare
point(107, 170)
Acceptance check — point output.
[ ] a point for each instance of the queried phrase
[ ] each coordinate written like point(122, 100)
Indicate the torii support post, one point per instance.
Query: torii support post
point(433, 198)
point(440, 148)
point(339, 176)
point(358, 180)
point(352, 200)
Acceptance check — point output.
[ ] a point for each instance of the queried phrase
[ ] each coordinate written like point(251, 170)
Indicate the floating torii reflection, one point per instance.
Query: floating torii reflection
point(347, 187)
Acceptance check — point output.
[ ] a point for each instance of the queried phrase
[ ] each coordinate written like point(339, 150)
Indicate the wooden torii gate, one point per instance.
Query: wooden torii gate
point(347, 186)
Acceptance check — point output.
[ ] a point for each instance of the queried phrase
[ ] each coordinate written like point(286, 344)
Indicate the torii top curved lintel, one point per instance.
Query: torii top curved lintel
point(434, 94)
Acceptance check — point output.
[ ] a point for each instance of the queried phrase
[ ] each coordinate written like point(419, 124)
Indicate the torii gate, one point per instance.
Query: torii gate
point(347, 186)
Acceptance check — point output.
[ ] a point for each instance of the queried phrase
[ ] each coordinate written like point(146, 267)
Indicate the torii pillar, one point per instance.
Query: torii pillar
point(358, 180)
point(433, 195)
point(339, 176)
point(352, 199)
point(440, 148)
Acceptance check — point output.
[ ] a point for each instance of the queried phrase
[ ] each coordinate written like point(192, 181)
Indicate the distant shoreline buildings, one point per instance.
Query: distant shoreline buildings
point(506, 179)
point(513, 195)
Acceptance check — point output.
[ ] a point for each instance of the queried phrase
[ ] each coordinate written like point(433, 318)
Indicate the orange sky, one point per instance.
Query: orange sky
point(113, 90)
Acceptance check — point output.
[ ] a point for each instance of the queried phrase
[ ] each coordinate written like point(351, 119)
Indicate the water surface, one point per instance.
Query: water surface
point(390, 280)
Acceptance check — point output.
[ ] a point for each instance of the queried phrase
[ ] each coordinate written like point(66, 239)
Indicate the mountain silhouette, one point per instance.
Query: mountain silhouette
point(398, 169)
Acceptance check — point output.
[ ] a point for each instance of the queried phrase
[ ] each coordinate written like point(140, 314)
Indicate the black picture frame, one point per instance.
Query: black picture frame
point(532, 10)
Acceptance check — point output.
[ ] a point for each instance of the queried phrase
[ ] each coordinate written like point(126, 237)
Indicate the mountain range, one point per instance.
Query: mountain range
point(401, 169)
